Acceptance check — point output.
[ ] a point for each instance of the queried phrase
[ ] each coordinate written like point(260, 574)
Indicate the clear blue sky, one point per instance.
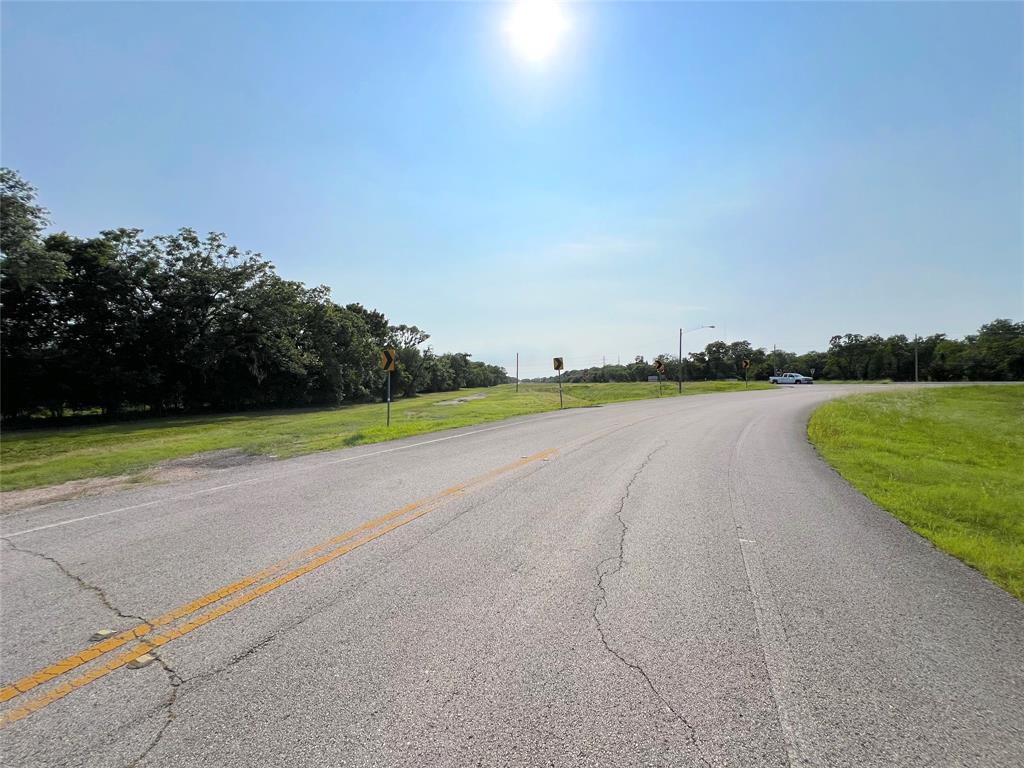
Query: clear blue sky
point(786, 171)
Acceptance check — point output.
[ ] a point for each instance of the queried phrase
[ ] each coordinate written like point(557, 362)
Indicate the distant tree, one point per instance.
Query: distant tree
point(438, 372)
point(996, 353)
point(407, 336)
point(30, 275)
point(24, 260)
point(376, 323)
point(948, 361)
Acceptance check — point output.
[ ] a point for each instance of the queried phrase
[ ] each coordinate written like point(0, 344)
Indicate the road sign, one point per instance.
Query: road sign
point(559, 365)
point(745, 364)
point(387, 362)
point(659, 365)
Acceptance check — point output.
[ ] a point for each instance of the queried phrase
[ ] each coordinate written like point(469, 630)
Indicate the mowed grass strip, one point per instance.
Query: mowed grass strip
point(948, 462)
point(42, 457)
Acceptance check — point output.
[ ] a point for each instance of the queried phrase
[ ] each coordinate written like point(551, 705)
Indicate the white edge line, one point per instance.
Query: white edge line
point(276, 476)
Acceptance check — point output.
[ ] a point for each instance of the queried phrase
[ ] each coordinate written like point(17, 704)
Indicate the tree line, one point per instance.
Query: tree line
point(185, 322)
point(994, 353)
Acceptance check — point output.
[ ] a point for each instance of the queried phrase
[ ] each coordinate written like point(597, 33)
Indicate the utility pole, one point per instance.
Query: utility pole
point(517, 371)
point(915, 359)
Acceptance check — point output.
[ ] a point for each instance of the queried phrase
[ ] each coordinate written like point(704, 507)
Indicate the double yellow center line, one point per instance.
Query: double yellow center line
point(310, 559)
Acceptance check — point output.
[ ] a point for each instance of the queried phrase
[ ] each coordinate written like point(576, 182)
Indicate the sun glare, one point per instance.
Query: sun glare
point(535, 28)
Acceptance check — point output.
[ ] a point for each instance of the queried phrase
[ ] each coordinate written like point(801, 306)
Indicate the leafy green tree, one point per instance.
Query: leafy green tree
point(996, 353)
point(375, 322)
point(29, 276)
point(949, 361)
point(437, 372)
point(407, 336)
point(24, 260)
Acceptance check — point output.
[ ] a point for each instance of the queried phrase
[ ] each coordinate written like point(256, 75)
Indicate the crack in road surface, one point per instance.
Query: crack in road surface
point(602, 602)
point(173, 678)
point(251, 650)
point(175, 681)
point(81, 582)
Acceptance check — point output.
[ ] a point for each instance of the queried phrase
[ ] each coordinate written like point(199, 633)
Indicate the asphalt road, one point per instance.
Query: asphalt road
point(660, 583)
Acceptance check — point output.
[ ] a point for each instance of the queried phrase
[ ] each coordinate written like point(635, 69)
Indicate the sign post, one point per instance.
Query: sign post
point(559, 365)
point(659, 366)
point(387, 362)
point(745, 364)
point(680, 361)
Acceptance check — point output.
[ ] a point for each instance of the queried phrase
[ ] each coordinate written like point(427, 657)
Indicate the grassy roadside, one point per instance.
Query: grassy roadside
point(947, 462)
point(40, 457)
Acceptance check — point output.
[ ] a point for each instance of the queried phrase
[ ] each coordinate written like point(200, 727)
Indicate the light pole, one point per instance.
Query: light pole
point(681, 332)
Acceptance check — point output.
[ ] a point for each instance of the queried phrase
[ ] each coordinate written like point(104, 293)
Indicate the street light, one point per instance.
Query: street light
point(681, 332)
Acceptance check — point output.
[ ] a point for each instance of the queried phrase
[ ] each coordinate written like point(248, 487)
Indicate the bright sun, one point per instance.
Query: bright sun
point(534, 29)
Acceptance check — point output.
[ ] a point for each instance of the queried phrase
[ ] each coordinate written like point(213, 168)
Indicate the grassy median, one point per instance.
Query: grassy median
point(41, 457)
point(947, 462)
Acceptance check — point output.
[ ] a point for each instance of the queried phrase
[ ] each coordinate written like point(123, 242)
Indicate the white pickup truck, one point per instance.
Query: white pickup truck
point(791, 378)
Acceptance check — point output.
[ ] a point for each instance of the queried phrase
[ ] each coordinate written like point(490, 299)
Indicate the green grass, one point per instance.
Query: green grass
point(853, 381)
point(947, 462)
point(41, 457)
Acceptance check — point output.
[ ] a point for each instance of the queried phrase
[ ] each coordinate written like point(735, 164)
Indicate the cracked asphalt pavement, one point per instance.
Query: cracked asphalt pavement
point(677, 582)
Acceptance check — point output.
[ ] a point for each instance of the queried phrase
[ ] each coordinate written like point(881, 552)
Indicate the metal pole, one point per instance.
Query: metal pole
point(517, 371)
point(680, 361)
point(559, 389)
point(915, 359)
point(389, 398)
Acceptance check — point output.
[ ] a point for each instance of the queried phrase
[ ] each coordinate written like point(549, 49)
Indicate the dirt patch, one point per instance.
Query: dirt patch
point(172, 471)
point(13, 501)
point(223, 459)
point(461, 400)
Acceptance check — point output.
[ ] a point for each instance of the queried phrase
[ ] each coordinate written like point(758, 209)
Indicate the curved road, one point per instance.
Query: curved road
point(662, 583)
